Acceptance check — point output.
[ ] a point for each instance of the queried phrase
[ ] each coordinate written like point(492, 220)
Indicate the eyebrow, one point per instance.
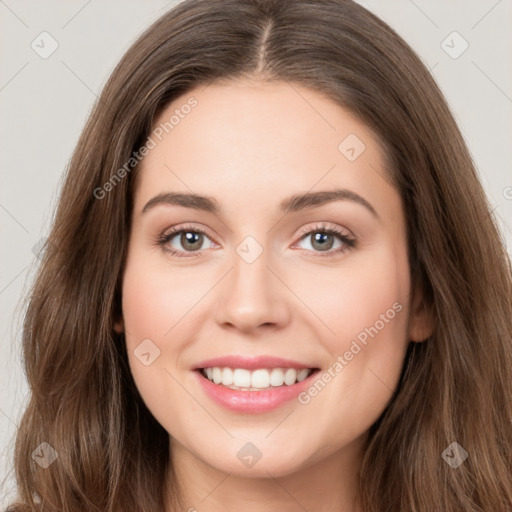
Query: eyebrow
point(294, 203)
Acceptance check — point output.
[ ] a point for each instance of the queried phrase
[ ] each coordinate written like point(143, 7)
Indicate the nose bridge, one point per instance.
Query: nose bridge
point(251, 294)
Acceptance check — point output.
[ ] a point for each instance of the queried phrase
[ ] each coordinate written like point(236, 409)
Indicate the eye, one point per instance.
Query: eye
point(322, 239)
point(192, 240)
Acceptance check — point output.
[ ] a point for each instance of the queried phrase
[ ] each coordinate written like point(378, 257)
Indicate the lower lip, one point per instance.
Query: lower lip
point(253, 401)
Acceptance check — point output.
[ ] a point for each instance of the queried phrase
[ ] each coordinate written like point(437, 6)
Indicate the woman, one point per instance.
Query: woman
point(273, 282)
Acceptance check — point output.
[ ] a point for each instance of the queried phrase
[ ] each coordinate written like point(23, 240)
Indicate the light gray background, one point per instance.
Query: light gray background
point(44, 104)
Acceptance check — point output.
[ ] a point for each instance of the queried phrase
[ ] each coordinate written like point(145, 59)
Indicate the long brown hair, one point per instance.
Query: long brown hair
point(455, 387)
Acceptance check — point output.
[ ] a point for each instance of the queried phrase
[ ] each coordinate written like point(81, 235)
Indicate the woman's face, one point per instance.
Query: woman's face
point(296, 260)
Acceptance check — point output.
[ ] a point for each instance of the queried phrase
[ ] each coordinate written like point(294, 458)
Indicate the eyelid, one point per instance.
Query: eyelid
point(319, 226)
point(185, 227)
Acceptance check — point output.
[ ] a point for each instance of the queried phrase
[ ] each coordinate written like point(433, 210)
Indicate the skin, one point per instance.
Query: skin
point(250, 145)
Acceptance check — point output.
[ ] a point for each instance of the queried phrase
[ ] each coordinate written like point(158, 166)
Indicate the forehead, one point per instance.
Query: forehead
point(251, 142)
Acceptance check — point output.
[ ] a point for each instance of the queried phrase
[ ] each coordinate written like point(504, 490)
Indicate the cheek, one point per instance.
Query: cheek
point(361, 292)
point(368, 310)
point(149, 303)
point(153, 303)
point(164, 307)
point(155, 300)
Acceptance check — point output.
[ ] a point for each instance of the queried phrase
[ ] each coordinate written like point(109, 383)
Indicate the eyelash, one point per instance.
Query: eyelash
point(348, 241)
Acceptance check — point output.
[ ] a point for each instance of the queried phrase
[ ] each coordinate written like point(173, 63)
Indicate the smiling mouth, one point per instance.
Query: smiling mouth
point(261, 379)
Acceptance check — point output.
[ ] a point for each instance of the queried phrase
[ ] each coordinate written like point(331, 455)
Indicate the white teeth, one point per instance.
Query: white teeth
point(302, 374)
point(217, 375)
point(227, 377)
point(290, 376)
point(260, 379)
point(242, 378)
point(276, 377)
point(255, 380)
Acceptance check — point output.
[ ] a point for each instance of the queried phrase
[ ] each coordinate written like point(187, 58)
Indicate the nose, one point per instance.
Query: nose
point(252, 297)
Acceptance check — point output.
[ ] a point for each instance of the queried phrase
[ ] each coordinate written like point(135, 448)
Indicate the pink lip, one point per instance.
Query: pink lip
point(252, 401)
point(250, 363)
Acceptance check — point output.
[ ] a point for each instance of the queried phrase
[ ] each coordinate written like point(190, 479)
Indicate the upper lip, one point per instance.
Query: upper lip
point(250, 363)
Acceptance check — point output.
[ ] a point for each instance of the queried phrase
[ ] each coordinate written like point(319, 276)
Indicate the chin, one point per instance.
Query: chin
point(246, 465)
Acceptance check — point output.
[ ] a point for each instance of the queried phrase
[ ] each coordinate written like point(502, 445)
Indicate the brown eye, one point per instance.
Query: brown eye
point(191, 240)
point(327, 240)
point(184, 240)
